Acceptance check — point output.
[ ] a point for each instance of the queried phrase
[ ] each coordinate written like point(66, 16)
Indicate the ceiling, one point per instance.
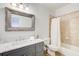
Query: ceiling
point(54, 6)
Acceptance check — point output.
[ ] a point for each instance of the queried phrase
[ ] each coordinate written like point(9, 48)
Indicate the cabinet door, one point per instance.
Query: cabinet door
point(39, 49)
point(31, 50)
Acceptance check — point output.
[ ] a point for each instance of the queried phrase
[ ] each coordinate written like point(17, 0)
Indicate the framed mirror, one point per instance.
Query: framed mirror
point(18, 21)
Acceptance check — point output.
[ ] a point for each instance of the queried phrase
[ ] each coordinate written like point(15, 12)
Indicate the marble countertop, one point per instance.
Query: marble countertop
point(7, 46)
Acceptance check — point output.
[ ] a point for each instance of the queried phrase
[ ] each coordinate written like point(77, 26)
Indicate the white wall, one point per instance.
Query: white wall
point(41, 25)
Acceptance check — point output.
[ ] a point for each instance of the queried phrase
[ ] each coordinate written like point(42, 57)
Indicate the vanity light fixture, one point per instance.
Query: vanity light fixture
point(20, 5)
point(26, 8)
point(14, 4)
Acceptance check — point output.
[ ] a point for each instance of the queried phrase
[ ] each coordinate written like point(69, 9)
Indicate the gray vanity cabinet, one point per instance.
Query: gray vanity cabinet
point(31, 50)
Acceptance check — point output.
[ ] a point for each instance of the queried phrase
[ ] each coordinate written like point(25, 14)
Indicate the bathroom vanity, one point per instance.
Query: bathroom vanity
point(30, 48)
point(16, 20)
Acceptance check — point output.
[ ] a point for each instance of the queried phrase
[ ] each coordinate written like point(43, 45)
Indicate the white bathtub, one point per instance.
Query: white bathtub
point(69, 50)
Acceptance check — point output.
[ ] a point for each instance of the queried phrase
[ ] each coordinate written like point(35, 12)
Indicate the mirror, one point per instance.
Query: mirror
point(19, 21)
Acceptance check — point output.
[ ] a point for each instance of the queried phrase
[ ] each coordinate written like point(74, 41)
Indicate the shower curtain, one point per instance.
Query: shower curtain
point(55, 33)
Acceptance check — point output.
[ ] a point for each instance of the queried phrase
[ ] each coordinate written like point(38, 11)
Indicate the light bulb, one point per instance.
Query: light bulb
point(21, 6)
point(14, 4)
point(26, 8)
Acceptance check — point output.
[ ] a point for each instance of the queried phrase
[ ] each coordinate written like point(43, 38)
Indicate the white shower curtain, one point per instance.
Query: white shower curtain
point(55, 33)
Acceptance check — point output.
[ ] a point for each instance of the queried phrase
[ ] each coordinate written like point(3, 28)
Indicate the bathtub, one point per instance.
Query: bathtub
point(69, 50)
